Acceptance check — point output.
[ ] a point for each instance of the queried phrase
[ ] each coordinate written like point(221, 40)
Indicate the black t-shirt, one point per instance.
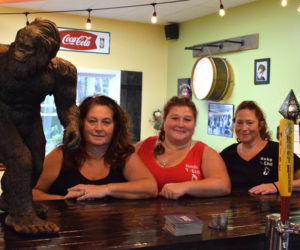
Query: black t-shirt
point(71, 178)
point(262, 168)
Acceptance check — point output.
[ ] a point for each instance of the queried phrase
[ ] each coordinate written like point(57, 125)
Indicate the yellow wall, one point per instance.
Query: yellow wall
point(133, 47)
point(143, 47)
point(279, 39)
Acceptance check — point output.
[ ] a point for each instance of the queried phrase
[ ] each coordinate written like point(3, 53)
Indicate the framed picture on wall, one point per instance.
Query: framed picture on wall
point(184, 87)
point(220, 119)
point(262, 71)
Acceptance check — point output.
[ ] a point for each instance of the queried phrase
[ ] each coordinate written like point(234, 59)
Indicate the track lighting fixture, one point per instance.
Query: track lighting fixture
point(221, 10)
point(154, 17)
point(283, 3)
point(88, 21)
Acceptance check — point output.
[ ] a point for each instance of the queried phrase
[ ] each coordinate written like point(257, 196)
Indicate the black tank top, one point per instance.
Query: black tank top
point(71, 178)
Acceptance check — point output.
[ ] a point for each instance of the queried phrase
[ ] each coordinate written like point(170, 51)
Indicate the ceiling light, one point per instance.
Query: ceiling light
point(88, 21)
point(26, 14)
point(154, 17)
point(221, 10)
point(283, 3)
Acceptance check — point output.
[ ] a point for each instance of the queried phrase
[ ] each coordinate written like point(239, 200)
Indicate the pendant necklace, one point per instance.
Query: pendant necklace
point(163, 163)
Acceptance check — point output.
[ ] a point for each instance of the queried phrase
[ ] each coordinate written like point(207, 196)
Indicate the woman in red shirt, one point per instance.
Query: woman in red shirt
point(180, 165)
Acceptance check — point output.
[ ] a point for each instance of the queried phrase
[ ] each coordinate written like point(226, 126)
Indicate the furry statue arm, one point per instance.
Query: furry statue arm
point(65, 101)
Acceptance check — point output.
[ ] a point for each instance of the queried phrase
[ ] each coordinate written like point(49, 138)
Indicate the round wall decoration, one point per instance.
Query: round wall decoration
point(210, 78)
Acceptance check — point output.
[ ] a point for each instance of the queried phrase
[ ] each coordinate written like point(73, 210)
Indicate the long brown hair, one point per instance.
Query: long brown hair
point(174, 101)
point(251, 105)
point(121, 143)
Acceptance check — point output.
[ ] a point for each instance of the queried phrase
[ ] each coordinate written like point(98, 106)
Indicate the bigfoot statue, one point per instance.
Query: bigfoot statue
point(29, 71)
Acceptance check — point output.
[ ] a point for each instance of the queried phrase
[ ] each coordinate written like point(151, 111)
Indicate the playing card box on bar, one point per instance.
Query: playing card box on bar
point(183, 224)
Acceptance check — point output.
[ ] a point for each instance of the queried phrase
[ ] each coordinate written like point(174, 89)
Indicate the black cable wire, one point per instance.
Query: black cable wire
point(94, 9)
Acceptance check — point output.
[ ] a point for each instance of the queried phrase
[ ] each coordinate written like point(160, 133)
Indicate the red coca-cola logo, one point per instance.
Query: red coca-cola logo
point(77, 40)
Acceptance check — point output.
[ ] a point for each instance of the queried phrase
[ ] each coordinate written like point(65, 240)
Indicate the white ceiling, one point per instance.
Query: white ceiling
point(175, 12)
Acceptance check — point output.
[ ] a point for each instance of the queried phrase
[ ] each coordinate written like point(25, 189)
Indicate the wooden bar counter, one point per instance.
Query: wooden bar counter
point(133, 224)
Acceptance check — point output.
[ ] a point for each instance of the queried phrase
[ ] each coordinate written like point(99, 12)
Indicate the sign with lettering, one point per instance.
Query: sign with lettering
point(84, 40)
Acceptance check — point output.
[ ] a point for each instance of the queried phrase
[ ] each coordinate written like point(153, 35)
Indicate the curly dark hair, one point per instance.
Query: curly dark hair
point(121, 143)
point(251, 105)
point(172, 102)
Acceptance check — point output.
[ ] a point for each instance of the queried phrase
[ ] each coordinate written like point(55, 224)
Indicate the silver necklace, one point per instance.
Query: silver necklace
point(163, 163)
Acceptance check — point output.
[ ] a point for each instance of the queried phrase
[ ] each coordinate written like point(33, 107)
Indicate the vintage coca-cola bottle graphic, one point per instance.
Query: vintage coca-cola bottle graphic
point(101, 43)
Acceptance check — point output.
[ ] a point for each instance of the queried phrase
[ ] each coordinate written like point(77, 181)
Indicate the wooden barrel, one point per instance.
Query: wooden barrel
point(210, 78)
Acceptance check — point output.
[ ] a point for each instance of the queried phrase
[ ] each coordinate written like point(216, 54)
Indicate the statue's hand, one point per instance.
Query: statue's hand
point(71, 138)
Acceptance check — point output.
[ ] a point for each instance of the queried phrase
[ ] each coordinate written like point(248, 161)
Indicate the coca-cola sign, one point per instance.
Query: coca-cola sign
point(84, 40)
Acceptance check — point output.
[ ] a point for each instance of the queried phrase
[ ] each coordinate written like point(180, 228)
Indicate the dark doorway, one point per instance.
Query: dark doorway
point(131, 99)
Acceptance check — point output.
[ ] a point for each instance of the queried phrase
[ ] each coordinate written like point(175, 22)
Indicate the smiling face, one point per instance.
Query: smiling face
point(98, 126)
point(179, 125)
point(247, 126)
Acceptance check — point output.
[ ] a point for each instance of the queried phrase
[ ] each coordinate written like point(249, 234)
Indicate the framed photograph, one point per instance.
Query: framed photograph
point(220, 119)
point(184, 87)
point(262, 71)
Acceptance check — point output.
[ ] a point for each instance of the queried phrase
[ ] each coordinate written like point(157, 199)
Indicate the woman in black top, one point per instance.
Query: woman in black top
point(105, 163)
point(253, 162)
